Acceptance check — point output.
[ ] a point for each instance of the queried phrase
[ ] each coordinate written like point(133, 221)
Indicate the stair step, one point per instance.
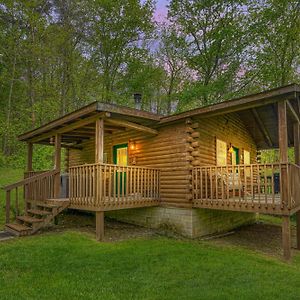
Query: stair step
point(29, 219)
point(17, 229)
point(45, 205)
point(39, 212)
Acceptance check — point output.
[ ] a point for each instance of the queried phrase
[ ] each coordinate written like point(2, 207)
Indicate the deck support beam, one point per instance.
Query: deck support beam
point(297, 162)
point(286, 237)
point(283, 152)
point(99, 225)
point(29, 156)
point(57, 165)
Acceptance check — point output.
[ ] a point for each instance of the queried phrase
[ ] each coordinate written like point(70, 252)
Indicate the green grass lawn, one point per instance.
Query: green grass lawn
point(8, 176)
point(74, 266)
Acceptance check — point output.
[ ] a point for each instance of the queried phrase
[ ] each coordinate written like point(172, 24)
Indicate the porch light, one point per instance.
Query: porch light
point(132, 145)
point(52, 140)
point(230, 150)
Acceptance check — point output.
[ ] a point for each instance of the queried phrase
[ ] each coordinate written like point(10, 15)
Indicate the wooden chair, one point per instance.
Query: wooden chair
point(232, 182)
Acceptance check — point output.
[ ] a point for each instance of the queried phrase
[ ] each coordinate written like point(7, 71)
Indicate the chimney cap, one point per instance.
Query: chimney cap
point(138, 100)
point(137, 97)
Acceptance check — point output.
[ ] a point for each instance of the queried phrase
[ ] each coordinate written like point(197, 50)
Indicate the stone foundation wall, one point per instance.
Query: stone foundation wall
point(185, 221)
point(210, 221)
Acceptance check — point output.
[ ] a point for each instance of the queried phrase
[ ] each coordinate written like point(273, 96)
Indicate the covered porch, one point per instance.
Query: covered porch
point(98, 186)
point(268, 188)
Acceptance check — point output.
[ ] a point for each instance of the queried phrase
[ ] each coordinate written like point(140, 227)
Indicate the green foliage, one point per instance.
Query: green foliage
point(275, 29)
point(57, 56)
point(214, 34)
point(8, 176)
point(272, 156)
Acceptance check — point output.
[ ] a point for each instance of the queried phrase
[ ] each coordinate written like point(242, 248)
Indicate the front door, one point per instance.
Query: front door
point(120, 158)
point(235, 156)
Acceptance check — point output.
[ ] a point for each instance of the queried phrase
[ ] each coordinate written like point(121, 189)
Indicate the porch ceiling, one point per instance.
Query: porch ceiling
point(262, 123)
point(73, 135)
point(79, 126)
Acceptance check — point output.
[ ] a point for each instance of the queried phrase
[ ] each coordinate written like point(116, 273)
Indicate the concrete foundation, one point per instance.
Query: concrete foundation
point(189, 222)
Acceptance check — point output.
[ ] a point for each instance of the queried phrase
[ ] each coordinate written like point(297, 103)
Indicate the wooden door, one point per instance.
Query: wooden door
point(120, 157)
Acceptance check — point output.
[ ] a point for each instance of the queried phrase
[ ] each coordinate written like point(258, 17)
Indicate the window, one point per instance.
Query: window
point(105, 159)
point(247, 162)
point(120, 154)
point(246, 157)
point(221, 153)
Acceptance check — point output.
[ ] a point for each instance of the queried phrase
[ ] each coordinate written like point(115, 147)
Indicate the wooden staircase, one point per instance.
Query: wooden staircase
point(38, 215)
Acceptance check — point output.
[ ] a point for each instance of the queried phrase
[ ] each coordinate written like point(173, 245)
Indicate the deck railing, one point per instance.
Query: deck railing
point(255, 185)
point(107, 185)
point(28, 174)
point(36, 188)
point(294, 184)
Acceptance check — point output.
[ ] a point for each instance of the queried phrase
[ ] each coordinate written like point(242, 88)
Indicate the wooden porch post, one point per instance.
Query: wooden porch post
point(29, 156)
point(99, 141)
point(283, 150)
point(297, 162)
point(99, 146)
point(57, 162)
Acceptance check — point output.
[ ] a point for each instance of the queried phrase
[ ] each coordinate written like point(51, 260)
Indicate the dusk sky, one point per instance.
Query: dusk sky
point(161, 10)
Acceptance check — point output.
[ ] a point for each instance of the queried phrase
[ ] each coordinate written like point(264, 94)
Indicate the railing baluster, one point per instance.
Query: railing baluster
point(266, 185)
point(245, 185)
point(109, 184)
point(216, 183)
point(17, 201)
point(259, 183)
point(273, 186)
point(104, 182)
point(222, 184)
point(7, 207)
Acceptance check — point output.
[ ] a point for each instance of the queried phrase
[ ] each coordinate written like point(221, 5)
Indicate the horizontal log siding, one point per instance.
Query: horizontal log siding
point(228, 128)
point(166, 151)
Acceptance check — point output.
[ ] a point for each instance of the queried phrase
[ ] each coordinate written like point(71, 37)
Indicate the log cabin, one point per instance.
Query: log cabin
point(196, 172)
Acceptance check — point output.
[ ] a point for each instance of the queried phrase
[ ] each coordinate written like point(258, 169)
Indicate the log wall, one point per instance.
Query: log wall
point(166, 151)
point(228, 128)
point(175, 150)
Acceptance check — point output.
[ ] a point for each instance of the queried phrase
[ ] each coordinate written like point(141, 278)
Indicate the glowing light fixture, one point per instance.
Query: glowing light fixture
point(230, 150)
point(132, 145)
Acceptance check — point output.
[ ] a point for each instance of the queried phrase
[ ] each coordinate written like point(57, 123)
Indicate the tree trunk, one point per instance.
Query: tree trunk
point(6, 149)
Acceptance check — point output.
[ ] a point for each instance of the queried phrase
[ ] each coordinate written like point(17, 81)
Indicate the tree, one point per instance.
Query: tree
point(214, 33)
point(171, 57)
point(276, 49)
point(114, 30)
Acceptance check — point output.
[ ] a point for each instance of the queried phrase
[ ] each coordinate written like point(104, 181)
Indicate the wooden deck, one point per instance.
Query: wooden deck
point(250, 188)
point(111, 204)
point(266, 205)
point(102, 187)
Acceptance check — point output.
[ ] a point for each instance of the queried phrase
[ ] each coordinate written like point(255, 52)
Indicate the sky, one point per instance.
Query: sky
point(161, 10)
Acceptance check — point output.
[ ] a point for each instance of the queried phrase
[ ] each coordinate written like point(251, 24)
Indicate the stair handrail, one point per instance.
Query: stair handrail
point(29, 180)
point(24, 182)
